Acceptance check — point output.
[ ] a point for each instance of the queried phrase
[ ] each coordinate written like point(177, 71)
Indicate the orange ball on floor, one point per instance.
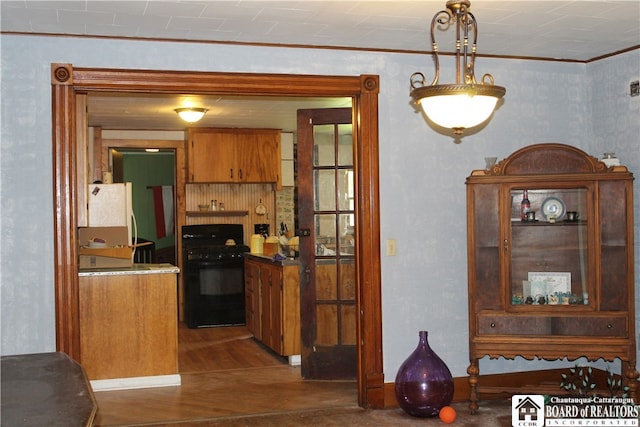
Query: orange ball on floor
point(447, 414)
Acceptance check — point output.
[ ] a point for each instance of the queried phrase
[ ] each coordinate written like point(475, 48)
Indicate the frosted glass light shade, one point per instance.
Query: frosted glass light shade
point(458, 107)
point(191, 115)
point(458, 111)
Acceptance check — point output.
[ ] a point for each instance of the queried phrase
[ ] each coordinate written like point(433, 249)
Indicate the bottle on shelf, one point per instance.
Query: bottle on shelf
point(214, 205)
point(525, 205)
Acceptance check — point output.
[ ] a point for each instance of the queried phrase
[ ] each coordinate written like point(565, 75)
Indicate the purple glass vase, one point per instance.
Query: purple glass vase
point(423, 383)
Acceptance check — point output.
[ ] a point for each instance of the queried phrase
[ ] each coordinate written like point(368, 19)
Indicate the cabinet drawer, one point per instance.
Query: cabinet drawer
point(590, 326)
point(610, 326)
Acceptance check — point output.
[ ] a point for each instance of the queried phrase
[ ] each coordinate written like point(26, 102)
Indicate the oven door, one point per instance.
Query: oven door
point(214, 293)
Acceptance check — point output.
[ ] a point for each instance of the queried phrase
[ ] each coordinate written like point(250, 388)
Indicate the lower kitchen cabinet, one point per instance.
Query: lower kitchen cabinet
point(252, 297)
point(272, 291)
point(129, 323)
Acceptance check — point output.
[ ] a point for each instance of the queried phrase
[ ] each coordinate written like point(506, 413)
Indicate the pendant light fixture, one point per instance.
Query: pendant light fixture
point(467, 103)
point(191, 114)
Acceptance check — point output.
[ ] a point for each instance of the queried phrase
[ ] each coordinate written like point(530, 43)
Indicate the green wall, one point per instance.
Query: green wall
point(145, 170)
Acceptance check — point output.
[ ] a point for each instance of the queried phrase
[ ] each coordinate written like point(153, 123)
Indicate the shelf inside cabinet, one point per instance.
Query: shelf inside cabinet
point(217, 213)
point(518, 223)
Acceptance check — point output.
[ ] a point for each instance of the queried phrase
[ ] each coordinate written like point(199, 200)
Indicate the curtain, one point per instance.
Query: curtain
point(163, 209)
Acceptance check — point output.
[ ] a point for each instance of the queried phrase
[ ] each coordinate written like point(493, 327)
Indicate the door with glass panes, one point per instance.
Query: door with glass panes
point(326, 200)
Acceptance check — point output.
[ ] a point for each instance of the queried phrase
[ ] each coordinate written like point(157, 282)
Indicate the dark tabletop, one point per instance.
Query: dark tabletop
point(45, 389)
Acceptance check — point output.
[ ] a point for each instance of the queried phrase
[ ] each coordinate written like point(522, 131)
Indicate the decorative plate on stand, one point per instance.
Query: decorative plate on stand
point(552, 207)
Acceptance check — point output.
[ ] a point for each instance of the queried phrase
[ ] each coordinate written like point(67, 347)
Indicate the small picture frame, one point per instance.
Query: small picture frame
point(553, 282)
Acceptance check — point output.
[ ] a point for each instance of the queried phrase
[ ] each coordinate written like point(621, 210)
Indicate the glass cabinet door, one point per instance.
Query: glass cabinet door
point(549, 246)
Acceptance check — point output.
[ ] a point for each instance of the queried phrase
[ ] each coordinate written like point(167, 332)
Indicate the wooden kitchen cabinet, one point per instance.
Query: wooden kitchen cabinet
point(129, 323)
point(273, 304)
point(233, 155)
point(252, 297)
point(551, 287)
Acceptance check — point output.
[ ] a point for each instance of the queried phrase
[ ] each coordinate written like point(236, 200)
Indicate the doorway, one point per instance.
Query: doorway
point(129, 160)
point(69, 82)
point(152, 174)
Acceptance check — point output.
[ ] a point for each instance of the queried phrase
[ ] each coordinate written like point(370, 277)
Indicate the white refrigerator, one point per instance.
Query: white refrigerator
point(111, 205)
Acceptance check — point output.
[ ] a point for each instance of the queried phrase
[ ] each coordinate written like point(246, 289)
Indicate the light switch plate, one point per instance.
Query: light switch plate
point(391, 247)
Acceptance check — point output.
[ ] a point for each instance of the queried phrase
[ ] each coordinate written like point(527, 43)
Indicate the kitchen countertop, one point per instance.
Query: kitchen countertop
point(260, 257)
point(134, 269)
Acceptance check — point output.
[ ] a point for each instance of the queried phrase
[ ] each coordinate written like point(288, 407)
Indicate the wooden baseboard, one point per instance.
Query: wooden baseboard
point(501, 386)
point(136, 382)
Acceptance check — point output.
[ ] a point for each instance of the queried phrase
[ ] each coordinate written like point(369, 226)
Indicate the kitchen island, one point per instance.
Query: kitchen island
point(129, 326)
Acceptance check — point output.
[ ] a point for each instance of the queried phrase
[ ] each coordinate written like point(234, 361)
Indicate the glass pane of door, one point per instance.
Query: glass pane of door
point(324, 189)
point(323, 145)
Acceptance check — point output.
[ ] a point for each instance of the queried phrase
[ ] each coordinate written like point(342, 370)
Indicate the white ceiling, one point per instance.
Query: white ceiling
point(156, 112)
point(578, 30)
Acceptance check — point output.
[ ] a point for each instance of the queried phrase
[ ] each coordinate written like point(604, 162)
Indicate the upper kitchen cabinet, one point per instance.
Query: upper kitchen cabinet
point(225, 155)
point(550, 245)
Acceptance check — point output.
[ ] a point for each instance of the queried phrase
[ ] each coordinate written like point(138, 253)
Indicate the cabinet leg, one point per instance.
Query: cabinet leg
point(473, 370)
point(632, 379)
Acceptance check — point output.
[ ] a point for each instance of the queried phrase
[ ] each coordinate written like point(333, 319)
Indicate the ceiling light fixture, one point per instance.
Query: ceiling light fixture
point(190, 114)
point(466, 103)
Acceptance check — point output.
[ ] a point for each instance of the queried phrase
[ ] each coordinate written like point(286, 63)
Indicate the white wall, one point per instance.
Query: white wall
point(422, 173)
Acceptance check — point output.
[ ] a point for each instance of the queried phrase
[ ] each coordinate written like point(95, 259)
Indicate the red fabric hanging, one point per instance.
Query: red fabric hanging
point(158, 209)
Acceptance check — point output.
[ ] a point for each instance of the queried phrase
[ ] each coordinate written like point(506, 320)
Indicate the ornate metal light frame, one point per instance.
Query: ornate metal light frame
point(466, 103)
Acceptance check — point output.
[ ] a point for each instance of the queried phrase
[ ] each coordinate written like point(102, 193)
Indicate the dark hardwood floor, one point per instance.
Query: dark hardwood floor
point(225, 373)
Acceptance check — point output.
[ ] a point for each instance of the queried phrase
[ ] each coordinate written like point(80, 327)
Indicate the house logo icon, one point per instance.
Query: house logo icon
point(527, 410)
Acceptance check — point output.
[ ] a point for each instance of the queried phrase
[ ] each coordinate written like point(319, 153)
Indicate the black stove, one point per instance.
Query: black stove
point(222, 237)
point(213, 265)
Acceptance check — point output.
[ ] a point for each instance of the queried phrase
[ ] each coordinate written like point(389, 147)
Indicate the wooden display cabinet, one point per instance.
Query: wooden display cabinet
point(559, 286)
point(233, 155)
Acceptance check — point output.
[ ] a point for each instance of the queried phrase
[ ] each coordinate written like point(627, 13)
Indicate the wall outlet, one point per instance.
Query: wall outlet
point(635, 88)
point(391, 247)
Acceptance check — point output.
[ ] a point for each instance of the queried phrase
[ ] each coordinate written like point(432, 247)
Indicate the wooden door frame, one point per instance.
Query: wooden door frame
point(68, 81)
